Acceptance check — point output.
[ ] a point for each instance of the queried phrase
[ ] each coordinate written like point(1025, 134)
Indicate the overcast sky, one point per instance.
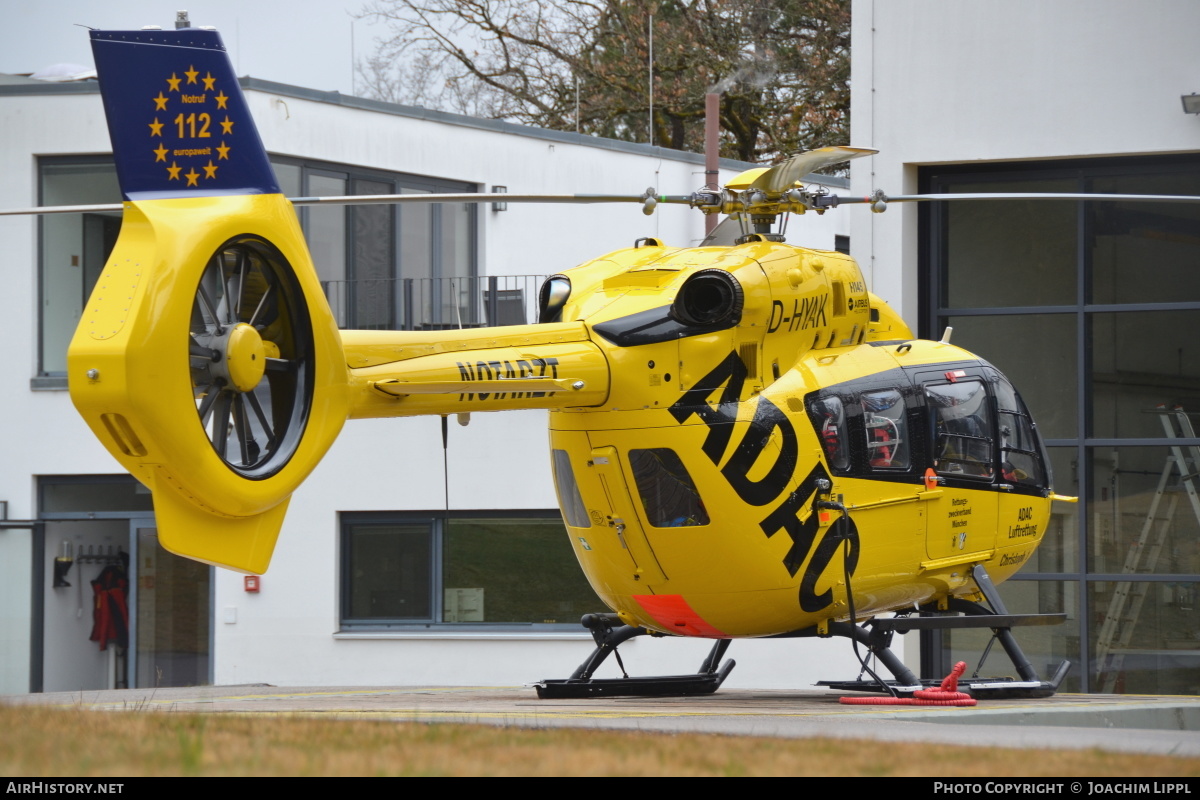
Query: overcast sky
point(309, 43)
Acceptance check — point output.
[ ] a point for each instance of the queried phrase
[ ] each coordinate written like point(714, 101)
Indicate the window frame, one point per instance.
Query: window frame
point(437, 521)
point(47, 378)
point(1079, 445)
point(400, 312)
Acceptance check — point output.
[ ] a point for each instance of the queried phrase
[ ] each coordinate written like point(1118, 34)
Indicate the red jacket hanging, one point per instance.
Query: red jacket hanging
point(110, 617)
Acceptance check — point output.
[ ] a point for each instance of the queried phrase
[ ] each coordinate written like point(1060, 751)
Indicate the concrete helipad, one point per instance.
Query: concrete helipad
point(1146, 724)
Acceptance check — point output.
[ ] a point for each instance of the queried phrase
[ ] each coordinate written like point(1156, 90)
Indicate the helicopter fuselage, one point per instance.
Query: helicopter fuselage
point(712, 409)
point(706, 399)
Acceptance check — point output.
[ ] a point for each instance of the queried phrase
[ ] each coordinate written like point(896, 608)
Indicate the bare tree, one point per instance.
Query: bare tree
point(781, 66)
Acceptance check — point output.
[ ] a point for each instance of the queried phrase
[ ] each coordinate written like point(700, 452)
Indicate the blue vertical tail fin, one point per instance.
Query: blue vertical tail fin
point(178, 120)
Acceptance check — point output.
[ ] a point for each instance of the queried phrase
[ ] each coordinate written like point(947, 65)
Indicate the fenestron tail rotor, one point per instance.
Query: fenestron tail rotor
point(250, 353)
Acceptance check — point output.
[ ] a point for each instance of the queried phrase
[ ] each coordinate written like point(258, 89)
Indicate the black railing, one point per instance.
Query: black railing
point(423, 304)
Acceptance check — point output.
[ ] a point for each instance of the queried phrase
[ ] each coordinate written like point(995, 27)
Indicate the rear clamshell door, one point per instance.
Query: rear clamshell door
point(590, 518)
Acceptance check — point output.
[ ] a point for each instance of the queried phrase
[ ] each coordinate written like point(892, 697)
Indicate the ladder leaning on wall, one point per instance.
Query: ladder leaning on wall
point(1128, 596)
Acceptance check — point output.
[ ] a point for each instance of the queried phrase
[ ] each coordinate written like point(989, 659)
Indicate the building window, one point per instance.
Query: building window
point(1091, 310)
point(390, 267)
point(72, 248)
point(484, 568)
point(383, 267)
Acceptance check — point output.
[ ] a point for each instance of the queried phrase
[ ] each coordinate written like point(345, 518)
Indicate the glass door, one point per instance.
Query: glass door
point(20, 615)
point(174, 617)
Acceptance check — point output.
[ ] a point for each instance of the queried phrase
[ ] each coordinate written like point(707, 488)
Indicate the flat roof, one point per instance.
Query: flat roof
point(15, 86)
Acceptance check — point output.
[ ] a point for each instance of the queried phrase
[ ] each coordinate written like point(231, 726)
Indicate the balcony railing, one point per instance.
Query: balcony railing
point(424, 304)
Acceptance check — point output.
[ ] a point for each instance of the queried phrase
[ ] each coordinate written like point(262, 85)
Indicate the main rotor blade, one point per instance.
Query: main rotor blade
point(375, 199)
point(5, 212)
point(470, 197)
point(784, 176)
point(1113, 198)
point(783, 173)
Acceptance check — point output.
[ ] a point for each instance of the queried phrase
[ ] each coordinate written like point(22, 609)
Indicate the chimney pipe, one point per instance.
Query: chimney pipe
point(712, 128)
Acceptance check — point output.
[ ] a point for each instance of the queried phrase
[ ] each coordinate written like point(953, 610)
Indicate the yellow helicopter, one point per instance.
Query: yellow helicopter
point(745, 441)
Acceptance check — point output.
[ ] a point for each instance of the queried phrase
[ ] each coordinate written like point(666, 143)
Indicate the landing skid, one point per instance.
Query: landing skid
point(979, 688)
point(877, 635)
point(608, 631)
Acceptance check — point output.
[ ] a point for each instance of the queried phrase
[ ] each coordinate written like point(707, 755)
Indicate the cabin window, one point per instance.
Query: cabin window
point(962, 429)
point(668, 494)
point(426, 569)
point(829, 417)
point(1020, 458)
point(569, 499)
point(886, 430)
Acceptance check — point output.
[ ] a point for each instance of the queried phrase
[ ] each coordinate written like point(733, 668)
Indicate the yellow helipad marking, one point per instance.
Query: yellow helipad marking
point(231, 698)
point(426, 715)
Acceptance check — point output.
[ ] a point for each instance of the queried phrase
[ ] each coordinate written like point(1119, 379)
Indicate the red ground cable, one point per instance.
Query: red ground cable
point(945, 695)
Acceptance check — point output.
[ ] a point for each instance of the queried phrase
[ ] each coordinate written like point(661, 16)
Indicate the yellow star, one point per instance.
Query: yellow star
point(221, 99)
point(161, 153)
point(173, 172)
point(173, 82)
point(227, 125)
point(210, 171)
point(223, 152)
point(209, 82)
point(191, 73)
point(156, 127)
point(160, 102)
point(192, 177)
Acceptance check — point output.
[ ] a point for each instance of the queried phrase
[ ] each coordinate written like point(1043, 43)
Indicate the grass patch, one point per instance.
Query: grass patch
point(36, 741)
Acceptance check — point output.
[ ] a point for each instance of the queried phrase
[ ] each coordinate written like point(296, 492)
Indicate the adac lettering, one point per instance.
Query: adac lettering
point(807, 312)
point(494, 370)
point(729, 377)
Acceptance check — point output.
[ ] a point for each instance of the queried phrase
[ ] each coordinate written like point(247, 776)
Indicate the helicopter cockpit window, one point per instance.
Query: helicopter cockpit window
point(963, 429)
point(668, 494)
point(1020, 459)
point(886, 429)
point(829, 417)
point(569, 499)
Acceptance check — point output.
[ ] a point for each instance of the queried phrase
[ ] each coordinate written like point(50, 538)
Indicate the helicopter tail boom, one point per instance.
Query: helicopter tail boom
point(401, 373)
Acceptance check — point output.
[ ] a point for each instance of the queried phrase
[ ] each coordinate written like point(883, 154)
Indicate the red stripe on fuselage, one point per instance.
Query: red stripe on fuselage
point(673, 613)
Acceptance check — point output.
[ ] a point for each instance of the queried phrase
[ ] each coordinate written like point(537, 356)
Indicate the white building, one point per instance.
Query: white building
point(305, 624)
point(1092, 309)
